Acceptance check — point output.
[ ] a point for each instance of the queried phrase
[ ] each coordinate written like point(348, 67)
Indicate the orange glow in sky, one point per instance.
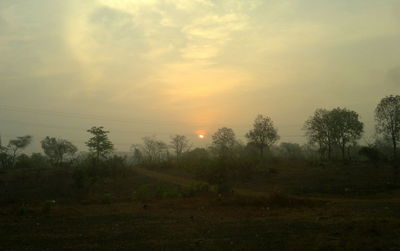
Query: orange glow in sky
point(201, 134)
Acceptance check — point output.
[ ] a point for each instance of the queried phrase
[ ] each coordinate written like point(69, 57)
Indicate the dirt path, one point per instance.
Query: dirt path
point(186, 182)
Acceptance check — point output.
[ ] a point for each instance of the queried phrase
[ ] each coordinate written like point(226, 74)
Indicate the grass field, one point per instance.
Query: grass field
point(109, 215)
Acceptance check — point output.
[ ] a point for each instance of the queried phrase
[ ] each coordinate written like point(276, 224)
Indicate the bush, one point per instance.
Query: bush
point(36, 160)
point(196, 189)
point(372, 154)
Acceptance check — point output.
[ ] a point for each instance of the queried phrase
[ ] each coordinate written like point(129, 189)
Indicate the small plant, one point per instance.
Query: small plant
point(144, 192)
point(22, 210)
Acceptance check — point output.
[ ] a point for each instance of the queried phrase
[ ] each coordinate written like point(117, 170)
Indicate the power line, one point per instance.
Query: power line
point(128, 132)
point(86, 116)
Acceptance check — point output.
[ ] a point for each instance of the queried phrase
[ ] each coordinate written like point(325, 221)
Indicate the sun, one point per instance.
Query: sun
point(201, 134)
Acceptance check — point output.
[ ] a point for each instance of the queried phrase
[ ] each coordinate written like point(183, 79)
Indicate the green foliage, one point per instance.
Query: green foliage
point(107, 198)
point(22, 209)
point(36, 160)
point(339, 128)
point(224, 141)
point(264, 134)
point(151, 191)
point(99, 144)
point(196, 189)
point(56, 149)
point(87, 171)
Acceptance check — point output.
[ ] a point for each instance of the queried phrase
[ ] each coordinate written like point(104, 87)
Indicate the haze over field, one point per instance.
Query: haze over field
point(160, 67)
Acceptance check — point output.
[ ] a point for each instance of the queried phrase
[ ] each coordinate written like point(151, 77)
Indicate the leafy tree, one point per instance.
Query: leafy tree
point(99, 144)
point(263, 135)
point(318, 131)
point(347, 128)
point(180, 144)
point(224, 141)
point(56, 149)
point(387, 116)
point(339, 127)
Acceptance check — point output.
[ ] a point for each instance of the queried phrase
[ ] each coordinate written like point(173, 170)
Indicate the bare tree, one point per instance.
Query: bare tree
point(18, 144)
point(57, 149)
point(154, 150)
point(263, 135)
point(387, 116)
point(180, 144)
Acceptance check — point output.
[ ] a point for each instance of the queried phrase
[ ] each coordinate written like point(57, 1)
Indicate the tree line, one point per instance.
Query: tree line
point(328, 132)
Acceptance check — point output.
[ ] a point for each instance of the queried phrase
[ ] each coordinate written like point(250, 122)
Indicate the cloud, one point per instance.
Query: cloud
point(202, 61)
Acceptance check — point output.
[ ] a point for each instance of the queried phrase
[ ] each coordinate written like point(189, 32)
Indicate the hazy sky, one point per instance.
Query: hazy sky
point(159, 67)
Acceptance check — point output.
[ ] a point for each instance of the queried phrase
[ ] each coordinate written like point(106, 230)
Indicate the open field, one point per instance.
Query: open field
point(110, 215)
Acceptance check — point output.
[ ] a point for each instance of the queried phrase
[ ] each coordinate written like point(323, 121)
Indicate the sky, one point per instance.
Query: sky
point(162, 67)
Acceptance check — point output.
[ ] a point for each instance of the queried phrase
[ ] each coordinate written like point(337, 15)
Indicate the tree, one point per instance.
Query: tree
point(338, 127)
point(154, 150)
point(180, 144)
point(387, 116)
point(18, 144)
point(224, 141)
point(291, 150)
point(346, 128)
point(99, 144)
point(56, 149)
point(318, 131)
point(263, 135)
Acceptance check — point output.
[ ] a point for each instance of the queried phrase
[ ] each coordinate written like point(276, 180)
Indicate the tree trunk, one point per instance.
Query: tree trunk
point(329, 151)
point(343, 151)
point(394, 147)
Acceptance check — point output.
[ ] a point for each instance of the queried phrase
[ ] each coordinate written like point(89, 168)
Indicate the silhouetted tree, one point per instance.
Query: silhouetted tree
point(18, 144)
point(339, 127)
point(346, 128)
point(263, 135)
point(387, 116)
point(154, 150)
point(99, 144)
point(318, 131)
point(137, 157)
point(180, 144)
point(56, 149)
point(224, 141)
point(291, 150)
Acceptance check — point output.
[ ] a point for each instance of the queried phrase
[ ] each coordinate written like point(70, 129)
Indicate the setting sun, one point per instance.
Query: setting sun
point(201, 134)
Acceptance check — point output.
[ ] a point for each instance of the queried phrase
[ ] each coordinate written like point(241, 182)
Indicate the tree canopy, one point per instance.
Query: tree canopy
point(264, 134)
point(99, 144)
point(387, 116)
